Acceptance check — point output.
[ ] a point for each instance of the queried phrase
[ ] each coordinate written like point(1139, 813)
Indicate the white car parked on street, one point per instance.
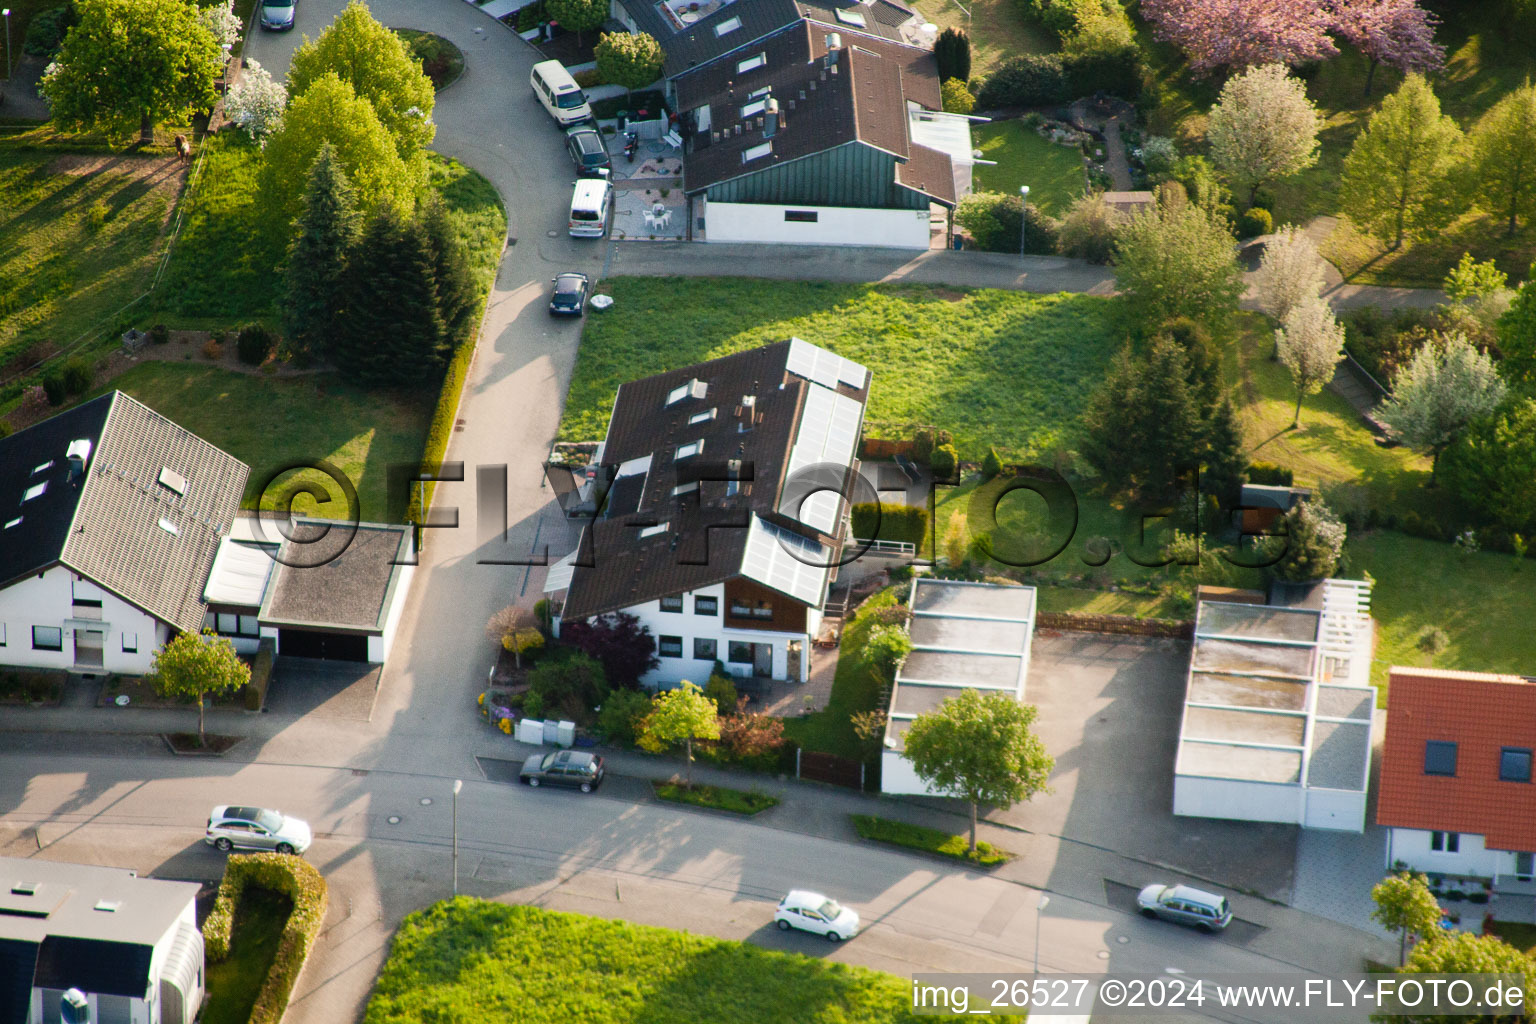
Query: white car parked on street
point(813, 912)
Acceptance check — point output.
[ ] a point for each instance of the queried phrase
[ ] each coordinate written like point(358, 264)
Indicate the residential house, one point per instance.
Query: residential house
point(114, 514)
point(722, 491)
point(816, 123)
point(1456, 790)
point(123, 949)
point(1278, 709)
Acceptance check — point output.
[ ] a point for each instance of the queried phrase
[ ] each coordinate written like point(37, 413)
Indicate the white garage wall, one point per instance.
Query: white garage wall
point(1197, 797)
point(835, 225)
point(379, 647)
point(1339, 809)
point(898, 778)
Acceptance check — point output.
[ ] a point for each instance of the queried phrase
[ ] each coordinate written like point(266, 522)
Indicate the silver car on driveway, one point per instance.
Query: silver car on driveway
point(256, 828)
point(1185, 904)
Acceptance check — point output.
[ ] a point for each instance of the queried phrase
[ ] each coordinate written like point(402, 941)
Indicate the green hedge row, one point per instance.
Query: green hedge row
point(261, 675)
point(299, 881)
point(894, 522)
point(1036, 80)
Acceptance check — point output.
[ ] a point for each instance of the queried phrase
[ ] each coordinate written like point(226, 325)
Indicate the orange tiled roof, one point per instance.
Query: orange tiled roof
point(1481, 713)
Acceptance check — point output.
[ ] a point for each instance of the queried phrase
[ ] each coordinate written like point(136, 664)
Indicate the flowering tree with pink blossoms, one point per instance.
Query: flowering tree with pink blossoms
point(1397, 33)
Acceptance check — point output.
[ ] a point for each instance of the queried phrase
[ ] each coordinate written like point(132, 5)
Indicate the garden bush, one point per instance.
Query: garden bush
point(1270, 474)
point(46, 31)
point(926, 440)
point(299, 881)
point(1035, 80)
point(875, 520)
point(570, 687)
point(261, 675)
point(622, 711)
point(722, 691)
point(992, 219)
point(254, 343)
point(53, 387)
point(1383, 343)
point(77, 376)
point(159, 334)
point(1087, 230)
point(992, 464)
point(944, 461)
point(1257, 221)
point(212, 350)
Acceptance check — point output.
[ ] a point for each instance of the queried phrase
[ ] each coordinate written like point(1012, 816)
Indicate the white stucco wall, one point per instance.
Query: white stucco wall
point(898, 778)
point(1197, 797)
point(379, 646)
point(690, 625)
point(835, 225)
point(1412, 847)
point(48, 600)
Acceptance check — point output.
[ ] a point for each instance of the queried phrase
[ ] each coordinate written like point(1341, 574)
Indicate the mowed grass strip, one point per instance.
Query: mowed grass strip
point(234, 984)
point(81, 235)
point(275, 423)
point(1000, 368)
point(927, 840)
point(467, 960)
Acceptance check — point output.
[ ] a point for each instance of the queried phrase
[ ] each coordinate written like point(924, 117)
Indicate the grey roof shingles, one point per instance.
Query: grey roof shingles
point(328, 575)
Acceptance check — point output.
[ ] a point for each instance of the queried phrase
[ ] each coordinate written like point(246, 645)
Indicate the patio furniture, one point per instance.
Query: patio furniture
point(673, 139)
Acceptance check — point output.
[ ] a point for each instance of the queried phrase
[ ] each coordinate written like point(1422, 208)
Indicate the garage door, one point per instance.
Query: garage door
point(304, 643)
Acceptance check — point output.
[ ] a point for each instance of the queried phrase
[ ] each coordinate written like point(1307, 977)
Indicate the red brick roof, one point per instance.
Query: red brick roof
point(1479, 712)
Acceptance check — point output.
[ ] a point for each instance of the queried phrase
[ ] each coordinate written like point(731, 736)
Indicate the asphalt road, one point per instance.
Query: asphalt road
point(384, 842)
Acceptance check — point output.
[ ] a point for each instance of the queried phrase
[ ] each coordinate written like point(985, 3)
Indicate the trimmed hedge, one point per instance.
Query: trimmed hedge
point(907, 523)
point(1036, 80)
point(299, 881)
point(261, 675)
point(1270, 474)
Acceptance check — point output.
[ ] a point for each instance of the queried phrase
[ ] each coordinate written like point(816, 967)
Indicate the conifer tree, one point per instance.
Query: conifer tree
point(390, 334)
point(451, 271)
point(327, 230)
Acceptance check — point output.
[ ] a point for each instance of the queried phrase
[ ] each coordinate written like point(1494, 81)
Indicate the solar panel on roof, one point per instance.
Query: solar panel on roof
point(825, 368)
point(828, 434)
point(785, 561)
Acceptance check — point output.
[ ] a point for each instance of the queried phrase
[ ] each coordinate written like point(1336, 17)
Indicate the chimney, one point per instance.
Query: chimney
point(834, 42)
point(76, 454)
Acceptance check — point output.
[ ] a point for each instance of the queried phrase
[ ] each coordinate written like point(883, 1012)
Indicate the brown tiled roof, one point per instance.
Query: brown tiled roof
point(861, 96)
point(930, 172)
point(1481, 714)
point(706, 535)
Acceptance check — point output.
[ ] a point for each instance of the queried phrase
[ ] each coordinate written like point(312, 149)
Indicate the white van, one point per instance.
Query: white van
point(559, 93)
point(589, 208)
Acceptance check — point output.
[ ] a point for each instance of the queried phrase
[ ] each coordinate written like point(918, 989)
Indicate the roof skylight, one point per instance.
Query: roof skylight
point(689, 450)
point(728, 26)
point(172, 480)
point(169, 527)
point(851, 18)
point(756, 152)
point(44, 466)
point(34, 491)
point(751, 63)
point(651, 531)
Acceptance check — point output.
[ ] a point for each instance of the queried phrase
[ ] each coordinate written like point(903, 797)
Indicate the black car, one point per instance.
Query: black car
point(570, 295)
point(588, 152)
point(563, 768)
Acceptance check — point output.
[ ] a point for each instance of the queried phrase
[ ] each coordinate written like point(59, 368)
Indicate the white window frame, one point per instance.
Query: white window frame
point(755, 107)
point(751, 63)
point(727, 26)
point(757, 152)
point(689, 450)
point(130, 643)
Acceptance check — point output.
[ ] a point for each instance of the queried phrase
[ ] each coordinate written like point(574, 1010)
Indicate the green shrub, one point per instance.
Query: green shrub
point(1257, 221)
point(929, 840)
point(722, 691)
point(97, 215)
point(992, 464)
point(1264, 199)
point(1037, 80)
point(944, 462)
point(254, 343)
point(76, 375)
point(159, 334)
point(878, 521)
point(737, 801)
point(957, 98)
point(1270, 474)
point(46, 31)
point(1382, 342)
point(569, 686)
point(53, 387)
point(541, 613)
point(261, 676)
point(992, 219)
point(926, 440)
point(299, 881)
point(622, 711)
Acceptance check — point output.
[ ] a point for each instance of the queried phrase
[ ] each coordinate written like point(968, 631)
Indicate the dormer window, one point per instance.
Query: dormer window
point(651, 531)
point(701, 417)
point(693, 389)
point(755, 107)
point(756, 152)
point(35, 491)
point(689, 450)
point(727, 26)
point(751, 63)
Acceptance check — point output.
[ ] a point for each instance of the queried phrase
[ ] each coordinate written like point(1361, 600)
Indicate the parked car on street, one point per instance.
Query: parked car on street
point(256, 828)
point(564, 768)
point(570, 295)
point(589, 153)
point(813, 912)
point(277, 15)
point(1183, 904)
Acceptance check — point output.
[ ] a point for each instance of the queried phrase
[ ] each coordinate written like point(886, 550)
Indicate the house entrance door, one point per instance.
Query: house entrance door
point(762, 660)
point(1523, 866)
point(88, 646)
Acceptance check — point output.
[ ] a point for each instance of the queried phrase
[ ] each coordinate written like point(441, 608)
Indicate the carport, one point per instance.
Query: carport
point(337, 592)
point(965, 635)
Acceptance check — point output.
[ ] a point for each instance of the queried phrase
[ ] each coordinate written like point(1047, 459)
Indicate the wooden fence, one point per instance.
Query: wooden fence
point(1178, 629)
point(839, 771)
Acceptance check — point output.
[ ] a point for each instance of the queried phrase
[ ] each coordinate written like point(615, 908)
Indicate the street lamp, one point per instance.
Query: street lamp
point(1045, 901)
point(1023, 219)
point(7, 14)
point(458, 784)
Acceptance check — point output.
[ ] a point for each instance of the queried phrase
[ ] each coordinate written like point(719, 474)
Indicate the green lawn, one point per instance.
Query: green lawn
point(1053, 173)
point(271, 423)
point(82, 233)
point(468, 960)
point(999, 29)
point(928, 840)
point(996, 367)
point(233, 985)
point(854, 688)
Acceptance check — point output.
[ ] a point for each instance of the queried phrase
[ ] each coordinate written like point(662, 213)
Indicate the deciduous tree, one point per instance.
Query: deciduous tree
point(1398, 175)
point(624, 646)
point(1459, 952)
point(1310, 344)
point(1446, 386)
point(1397, 33)
point(1502, 166)
point(1243, 33)
point(578, 15)
point(255, 103)
point(1263, 128)
point(220, 19)
point(1404, 904)
point(328, 227)
point(1087, 230)
point(379, 67)
point(981, 750)
point(197, 666)
point(1174, 260)
point(631, 59)
point(1491, 466)
point(329, 112)
point(1313, 542)
point(1290, 272)
point(131, 64)
point(1517, 337)
point(515, 629)
point(680, 716)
